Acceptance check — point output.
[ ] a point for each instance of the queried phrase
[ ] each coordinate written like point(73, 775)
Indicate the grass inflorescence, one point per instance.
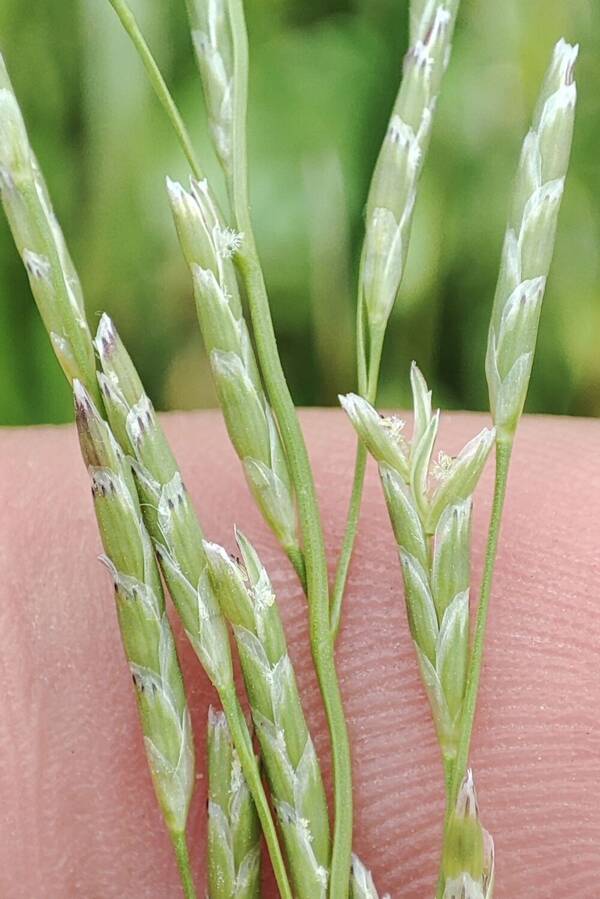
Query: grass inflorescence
point(149, 527)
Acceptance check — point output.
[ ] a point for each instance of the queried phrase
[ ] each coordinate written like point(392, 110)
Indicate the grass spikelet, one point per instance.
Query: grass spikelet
point(54, 282)
point(233, 826)
point(248, 601)
point(393, 192)
point(145, 630)
point(213, 44)
point(208, 247)
point(429, 504)
point(529, 241)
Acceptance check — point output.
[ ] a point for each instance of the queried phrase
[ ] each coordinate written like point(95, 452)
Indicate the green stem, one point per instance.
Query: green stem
point(369, 391)
point(308, 509)
point(503, 455)
point(296, 557)
point(157, 81)
point(183, 863)
point(448, 777)
point(241, 740)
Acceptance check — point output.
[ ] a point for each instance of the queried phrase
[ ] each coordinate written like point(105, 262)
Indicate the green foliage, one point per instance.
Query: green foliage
point(323, 82)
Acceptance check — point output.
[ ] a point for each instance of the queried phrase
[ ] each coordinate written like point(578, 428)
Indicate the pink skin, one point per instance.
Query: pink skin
point(78, 817)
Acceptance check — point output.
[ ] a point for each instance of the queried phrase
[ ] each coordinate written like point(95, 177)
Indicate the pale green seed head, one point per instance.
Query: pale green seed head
point(248, 601)
point(40, 242)
point(145, 629)
point(393, 191)
point(213, 43)
point(529, 242)
point(220, 329)
point(310, 879)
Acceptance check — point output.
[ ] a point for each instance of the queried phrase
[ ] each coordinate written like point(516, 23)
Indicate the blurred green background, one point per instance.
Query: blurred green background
point(324, 75)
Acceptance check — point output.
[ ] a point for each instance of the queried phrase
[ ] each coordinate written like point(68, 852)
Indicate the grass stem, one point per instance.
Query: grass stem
point(343, 566)
point(183, 863)
point(503, 454)
point(157, 81)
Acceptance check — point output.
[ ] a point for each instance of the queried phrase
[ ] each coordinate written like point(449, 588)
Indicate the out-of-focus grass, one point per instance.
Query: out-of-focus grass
point(324, 74)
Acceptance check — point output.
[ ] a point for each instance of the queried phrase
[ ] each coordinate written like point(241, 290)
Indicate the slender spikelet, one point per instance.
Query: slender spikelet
point(529, 242)
point(248, 601)
point(361, 882)
point(208, 247)
point(233, 826)
point(213, 44)
point(168, 512)
point(145, 630)
point(468, 863)
point(393, 192)
point(430, 505)
point(41, 245)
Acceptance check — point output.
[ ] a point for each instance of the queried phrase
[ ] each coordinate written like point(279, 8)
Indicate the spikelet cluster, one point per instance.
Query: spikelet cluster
point(393, 192)
point(145, 630)
point(430, 504)
point(529, 241)
point(38, 237)
point(167, 509)
point(248, 602)
point(208, 247)
point(233, 826)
